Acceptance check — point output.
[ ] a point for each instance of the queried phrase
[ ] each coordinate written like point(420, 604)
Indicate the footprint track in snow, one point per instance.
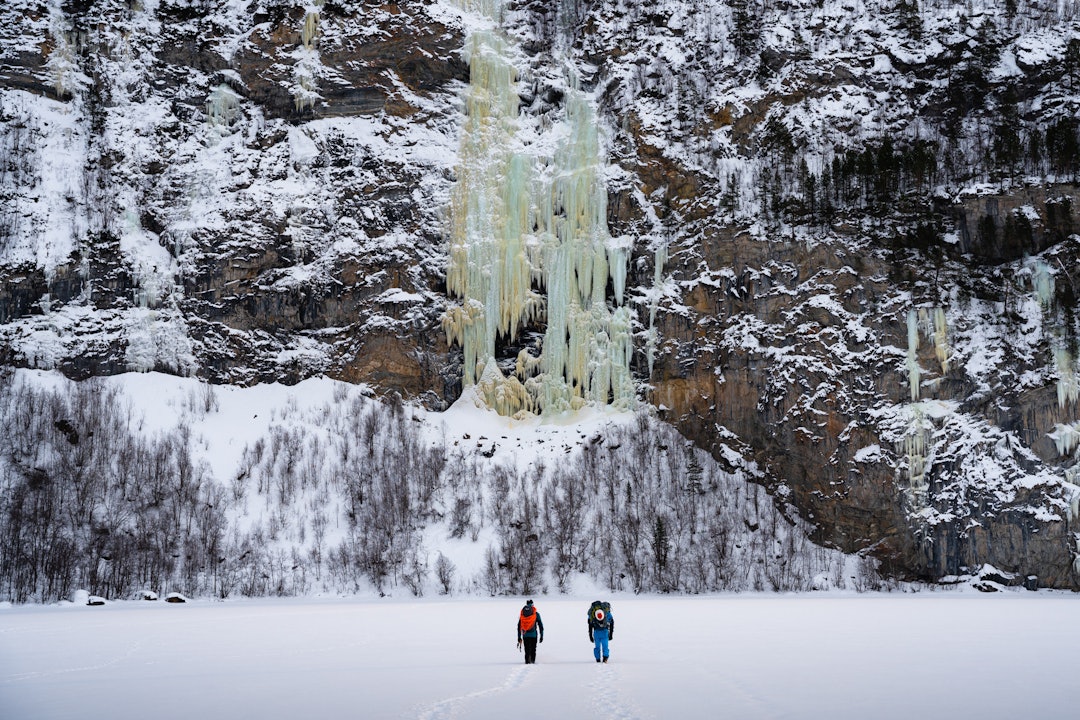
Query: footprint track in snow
point(451, 707)
point(608, 702)
point(131, 650)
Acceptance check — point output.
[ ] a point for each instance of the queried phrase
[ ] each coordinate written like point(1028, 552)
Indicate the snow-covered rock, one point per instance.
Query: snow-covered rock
point(850, 228)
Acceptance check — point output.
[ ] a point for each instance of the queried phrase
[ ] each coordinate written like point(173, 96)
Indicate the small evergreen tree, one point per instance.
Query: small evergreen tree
point(694, 473)
point(660, 543)
point(746, 33)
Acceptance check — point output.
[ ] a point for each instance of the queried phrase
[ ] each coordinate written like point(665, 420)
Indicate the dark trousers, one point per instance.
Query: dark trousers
point(530, 649)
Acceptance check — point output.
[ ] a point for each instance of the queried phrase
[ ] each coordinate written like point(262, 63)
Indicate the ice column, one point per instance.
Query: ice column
point(660, 259)
point(521, 223)
point(61, 63)
point(492, 252)
point(916, 441)
point(916, 437)
point(1068, 385)
point(304, 90)
point(222, 109)
point(587, 346)
point(1043, 282)
point(941, 339)
point(914, 375)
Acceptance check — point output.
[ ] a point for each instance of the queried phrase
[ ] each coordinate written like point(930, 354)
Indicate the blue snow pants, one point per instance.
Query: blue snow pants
point(600, 646)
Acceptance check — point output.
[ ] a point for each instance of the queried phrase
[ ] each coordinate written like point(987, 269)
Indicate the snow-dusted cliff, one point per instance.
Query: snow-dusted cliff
point(173, 199)
point(850, 227)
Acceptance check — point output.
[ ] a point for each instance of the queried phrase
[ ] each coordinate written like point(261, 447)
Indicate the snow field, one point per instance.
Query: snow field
point(930, 655)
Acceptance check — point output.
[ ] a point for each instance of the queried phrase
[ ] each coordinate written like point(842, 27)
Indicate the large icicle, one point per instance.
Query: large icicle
point(1068, 384)
point(916, 440)
point(913, 371)
point(306, 71)
point(490, 268)
point(520, 223)
point(587, 346)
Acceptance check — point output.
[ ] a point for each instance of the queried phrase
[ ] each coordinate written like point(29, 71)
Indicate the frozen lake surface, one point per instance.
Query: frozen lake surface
point(926, 655)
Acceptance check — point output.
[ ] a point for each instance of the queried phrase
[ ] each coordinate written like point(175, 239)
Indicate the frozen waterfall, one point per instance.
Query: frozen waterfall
point(916, 442)
point(1068, 384)
point(529, 243)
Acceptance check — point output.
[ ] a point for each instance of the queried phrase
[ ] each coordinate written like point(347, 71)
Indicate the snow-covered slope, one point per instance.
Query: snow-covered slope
point(151, 482)
point(849, 228)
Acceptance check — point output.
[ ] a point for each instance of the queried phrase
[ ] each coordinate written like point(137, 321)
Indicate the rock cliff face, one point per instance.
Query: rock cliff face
point(853, 227)
point(250, 192)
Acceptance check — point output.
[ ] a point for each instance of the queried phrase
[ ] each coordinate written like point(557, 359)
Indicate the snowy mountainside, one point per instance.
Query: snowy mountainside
point(174, 202)
point(867, 215)
point(152, 482)
point(851, 228)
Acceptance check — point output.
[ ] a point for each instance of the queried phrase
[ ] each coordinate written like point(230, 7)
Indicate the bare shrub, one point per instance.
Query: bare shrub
point(444, 573)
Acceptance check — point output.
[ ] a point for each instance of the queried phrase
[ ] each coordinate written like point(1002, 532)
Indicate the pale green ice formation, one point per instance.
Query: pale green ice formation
point(524, 223)
point(304, 89)
point(1043, 282)
point(916, 440)
point(1068, 385)
point(223, 109)
point(912, 354)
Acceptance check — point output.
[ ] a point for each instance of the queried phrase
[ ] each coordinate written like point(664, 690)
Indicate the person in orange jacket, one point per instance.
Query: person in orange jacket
point(530, 630)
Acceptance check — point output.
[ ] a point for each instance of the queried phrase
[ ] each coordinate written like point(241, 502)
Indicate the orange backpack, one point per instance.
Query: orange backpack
point(527, 622)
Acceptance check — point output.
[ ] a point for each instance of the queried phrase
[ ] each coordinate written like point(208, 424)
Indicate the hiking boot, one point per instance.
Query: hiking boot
point(605, 659)
point(597, 659)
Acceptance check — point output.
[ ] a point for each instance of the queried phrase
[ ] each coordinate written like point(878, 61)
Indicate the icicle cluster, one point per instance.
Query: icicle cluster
point(1066, 437)
point(1043, 282)
point(914, 374)
point(522, 223)
point(934, 325)
point(587, 346)
point(311, 25)
point(915, 448)
point(492, 258)
point(61, 62)
point(1068, 385)
point(222, 109)
point(305, 90)
point(941, 339)
point(916, 439)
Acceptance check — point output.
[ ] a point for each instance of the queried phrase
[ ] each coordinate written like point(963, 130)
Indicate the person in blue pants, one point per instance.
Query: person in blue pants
point(601, 629)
